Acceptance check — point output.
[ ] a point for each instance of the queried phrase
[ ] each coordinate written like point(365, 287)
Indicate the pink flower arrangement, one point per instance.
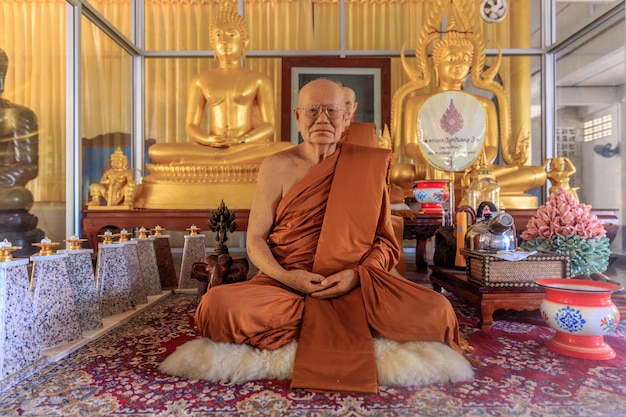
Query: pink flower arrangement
point(564, 226)
point(563, 216)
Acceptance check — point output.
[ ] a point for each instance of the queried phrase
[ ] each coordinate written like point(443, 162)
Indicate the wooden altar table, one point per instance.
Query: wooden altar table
point(94, 221)
point(486, 299)
point(422, 228)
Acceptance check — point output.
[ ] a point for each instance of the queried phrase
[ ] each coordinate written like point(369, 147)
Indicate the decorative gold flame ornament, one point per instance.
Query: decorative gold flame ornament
point(5, 250)
point(74, 242)
point(46, 246)
point(107, 237)
point(193, 230)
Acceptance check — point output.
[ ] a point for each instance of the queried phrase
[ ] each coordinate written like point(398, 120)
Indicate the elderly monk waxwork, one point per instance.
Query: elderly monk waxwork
point(320, 233)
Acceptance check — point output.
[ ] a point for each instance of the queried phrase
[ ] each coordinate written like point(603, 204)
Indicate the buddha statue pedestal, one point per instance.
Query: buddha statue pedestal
point(518, 201)
point(196, 186)
point(20, 227)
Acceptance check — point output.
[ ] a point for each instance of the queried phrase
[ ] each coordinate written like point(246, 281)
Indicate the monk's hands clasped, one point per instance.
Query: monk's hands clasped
point(303, 281)
point(337, 284)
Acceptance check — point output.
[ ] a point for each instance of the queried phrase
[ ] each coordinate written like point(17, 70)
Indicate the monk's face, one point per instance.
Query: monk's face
point(325, 99)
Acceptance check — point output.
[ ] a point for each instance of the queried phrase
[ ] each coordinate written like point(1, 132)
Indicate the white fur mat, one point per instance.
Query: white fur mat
point(401, 364)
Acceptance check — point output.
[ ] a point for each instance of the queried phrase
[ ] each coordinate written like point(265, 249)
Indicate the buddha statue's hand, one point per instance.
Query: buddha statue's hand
point(215, 141)
point(226, 142)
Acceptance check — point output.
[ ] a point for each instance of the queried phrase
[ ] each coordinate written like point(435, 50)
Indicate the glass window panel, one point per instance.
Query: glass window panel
point(178, 25)
point(291, 25)
point(571, 16)
point(301, 25)
point(118, 12)
point(32, 139)
point(589, 99)
point(106, 106)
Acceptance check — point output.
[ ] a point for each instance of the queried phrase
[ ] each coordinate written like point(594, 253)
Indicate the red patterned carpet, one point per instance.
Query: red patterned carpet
point(117, 376)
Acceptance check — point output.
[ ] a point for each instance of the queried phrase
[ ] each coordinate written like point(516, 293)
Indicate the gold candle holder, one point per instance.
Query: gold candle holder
point(74, 242)
point(143, 233)
point(107, 237)
point(45, 246)
point(124, 235)
point(157, 230)
point(193, 230)
point(5, 251)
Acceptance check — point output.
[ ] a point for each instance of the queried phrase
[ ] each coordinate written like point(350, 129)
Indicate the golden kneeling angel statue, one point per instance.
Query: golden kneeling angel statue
point(559, 171)
point(446, 129)
point(221, 162)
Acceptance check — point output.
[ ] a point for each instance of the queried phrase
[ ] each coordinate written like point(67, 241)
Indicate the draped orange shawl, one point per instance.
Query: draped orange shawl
point(335, 349)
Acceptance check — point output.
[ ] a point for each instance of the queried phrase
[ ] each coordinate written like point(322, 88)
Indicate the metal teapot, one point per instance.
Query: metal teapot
point(493, 231)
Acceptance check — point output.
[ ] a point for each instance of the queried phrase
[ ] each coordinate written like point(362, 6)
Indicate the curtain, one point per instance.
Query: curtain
point(106, 92)
point(33, 36)
point(272, 25)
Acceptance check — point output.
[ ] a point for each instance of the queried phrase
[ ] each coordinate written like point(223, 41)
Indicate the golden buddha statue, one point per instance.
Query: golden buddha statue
point(457, 54)
point(241, 114)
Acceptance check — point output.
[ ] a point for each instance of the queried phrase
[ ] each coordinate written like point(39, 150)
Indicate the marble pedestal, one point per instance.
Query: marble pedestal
point(138, 294)
point(18, 339)
point(165, 261)
point(193, 251)
point(148, 268)
point(112, 280)
point(56, 319)
point(83, 282)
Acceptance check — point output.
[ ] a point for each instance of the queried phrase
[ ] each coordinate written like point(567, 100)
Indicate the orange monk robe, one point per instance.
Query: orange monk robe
point(337, 217)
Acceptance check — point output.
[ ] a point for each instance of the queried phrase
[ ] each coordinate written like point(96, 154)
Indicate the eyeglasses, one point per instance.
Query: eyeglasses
point(333, 111)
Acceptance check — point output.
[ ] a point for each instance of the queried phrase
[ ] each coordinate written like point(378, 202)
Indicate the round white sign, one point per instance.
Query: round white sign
point(451, 129)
